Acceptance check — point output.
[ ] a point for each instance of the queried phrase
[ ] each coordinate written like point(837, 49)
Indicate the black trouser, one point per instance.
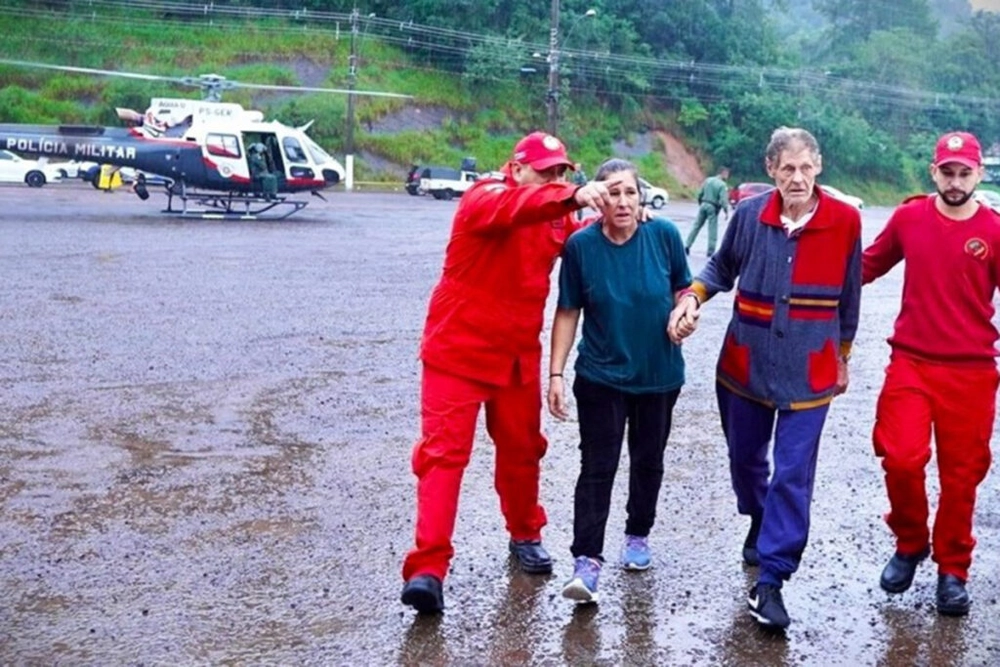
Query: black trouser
point(603, 413)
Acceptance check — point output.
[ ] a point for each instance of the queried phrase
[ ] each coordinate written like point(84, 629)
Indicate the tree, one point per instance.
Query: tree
point(852, 22)
point(494, 60)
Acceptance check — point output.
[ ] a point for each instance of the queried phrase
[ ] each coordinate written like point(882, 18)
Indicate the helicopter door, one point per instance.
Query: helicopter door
point(298, 160)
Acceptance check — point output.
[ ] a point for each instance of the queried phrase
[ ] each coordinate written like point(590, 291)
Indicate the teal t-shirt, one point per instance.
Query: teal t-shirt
point(626, 293)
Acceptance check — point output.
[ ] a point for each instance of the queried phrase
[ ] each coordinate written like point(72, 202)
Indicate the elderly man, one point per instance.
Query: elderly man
point(797, 254)
point(481, 347)
point(942, 374)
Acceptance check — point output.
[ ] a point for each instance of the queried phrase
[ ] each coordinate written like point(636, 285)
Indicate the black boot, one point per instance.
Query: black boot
point(952, 598)
point(423, 593)
point(531, 556)
point(898, 573)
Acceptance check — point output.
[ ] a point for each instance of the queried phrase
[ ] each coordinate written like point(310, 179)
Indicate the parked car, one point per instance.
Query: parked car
point(744, 190)
point(16, 169)
point(445, 183)
point(989, 198)
point(433, 172)
point(441, 182)
point(73, 168)
point(650, 195)
point(856, 202)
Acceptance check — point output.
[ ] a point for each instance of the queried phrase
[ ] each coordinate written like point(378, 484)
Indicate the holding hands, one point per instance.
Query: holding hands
point(683, 319)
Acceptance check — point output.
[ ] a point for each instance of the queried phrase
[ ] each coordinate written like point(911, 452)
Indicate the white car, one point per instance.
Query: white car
point(15, 169)
point(73, 168)
point(856, 202)
point(650, 195)
point(446, 183)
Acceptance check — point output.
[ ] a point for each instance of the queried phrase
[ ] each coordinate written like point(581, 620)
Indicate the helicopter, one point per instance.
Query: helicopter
point(221, 159)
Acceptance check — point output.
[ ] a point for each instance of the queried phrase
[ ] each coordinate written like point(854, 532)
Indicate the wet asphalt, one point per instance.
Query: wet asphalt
point(205, 431)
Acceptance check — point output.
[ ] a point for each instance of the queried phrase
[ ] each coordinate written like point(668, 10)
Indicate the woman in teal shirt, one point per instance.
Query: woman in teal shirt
point(624, 276)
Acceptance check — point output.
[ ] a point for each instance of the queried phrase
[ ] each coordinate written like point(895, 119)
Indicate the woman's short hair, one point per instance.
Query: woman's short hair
point(613, 166)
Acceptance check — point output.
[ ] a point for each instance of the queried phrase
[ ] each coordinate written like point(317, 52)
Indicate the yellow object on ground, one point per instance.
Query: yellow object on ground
point(110, 177)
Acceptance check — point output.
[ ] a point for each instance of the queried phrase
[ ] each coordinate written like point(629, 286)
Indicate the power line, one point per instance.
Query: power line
point(455, 46)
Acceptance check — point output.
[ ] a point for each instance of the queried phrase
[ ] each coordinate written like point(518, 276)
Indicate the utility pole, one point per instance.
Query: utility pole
point(352, 79)
point(552, 97)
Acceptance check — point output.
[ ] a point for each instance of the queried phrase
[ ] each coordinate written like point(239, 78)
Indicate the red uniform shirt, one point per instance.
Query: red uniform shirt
point(485, 315)
point(952, 269)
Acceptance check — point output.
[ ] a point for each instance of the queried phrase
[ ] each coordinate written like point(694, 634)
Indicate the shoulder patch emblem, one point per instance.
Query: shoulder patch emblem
point(976, 247)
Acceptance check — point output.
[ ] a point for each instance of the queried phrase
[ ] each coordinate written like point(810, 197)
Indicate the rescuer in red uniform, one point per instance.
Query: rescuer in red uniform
point(481, 346)
point(942, 375)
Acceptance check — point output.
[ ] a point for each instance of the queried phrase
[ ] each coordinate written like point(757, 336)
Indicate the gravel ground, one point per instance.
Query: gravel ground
point(205, 431)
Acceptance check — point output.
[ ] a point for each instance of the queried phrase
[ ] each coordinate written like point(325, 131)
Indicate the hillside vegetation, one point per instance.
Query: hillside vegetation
point(719, 74)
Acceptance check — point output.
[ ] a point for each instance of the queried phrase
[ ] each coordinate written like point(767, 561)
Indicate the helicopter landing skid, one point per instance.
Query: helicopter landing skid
point(233, 206)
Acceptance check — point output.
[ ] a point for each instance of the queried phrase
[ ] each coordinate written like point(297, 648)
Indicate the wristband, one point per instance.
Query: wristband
point(690, 292)
point(555, 375)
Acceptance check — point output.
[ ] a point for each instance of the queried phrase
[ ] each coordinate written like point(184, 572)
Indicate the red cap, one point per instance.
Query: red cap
point(541, 151)
point(960, 147)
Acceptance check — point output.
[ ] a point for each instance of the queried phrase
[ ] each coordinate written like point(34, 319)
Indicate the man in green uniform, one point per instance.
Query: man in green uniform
point(713, 196)
point(265, 181)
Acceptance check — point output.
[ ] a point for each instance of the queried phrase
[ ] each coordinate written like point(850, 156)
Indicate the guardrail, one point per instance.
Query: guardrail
point(376, 186)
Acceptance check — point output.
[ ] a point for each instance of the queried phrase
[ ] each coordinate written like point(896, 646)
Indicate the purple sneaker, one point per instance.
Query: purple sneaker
point(583, 586)
point(635, 553)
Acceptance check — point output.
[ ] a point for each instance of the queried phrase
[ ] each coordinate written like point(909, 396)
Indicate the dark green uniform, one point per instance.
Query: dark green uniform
point(712, 198)
point(266, 182)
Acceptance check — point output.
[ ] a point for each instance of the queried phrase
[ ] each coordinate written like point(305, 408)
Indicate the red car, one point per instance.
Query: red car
point(744, 190)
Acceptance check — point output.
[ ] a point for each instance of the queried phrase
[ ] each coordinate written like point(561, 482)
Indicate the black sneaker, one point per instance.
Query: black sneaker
point(423, 593)
point(531, 556)
point(898, 573)
point(767, 607)
point(952, 598)
point(750, 555)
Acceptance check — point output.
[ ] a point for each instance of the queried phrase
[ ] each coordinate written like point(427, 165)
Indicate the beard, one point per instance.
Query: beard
point(955, 198)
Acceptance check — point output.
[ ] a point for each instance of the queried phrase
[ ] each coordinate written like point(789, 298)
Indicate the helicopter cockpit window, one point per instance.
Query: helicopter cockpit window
point(293, 150)
point(223, 145)
point(319, 155)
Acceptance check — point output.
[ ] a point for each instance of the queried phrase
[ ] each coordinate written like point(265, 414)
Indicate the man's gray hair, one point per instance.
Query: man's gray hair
point(783, 137)
point(613, 166)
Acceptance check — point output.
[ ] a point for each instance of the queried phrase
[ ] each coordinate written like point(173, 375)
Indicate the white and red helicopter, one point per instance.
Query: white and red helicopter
point(204, 148)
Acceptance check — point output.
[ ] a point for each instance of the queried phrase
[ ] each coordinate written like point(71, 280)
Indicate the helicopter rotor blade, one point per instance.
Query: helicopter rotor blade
point(212, 84)
point(89, 70)
point(309, 89)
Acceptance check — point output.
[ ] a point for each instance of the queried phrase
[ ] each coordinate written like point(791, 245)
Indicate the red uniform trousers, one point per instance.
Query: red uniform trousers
point(959, 402)
point(449, 409)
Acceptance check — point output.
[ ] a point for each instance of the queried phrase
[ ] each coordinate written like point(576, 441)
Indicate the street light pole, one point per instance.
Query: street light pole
point(552, 97)
point(352, 78)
